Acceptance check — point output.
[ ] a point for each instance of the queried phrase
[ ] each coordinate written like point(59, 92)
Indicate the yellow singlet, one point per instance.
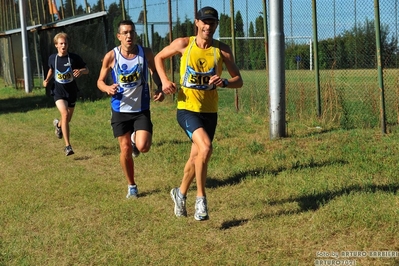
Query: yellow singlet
point(196, 67)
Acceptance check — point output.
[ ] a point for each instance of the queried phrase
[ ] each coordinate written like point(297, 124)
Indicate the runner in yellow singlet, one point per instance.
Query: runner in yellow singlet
point(201, 69)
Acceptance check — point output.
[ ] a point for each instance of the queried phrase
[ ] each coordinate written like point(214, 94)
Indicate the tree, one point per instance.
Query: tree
point(260, 45)
point(69, 9)
point(240, 43)
point(251, 46)
point(356, 48)
point(98, 6)
point(225, 28)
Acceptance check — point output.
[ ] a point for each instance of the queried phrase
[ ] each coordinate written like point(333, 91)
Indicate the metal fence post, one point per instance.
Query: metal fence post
point(316, 59)
point(277, 71)
point(379, 64)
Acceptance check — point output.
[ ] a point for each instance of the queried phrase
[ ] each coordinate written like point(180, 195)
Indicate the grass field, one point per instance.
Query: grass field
point(292, 201)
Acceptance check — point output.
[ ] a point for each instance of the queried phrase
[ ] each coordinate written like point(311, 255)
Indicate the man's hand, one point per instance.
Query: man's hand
point(168, 87)
point(158, 96)
point(112, 90)
point(218, 81)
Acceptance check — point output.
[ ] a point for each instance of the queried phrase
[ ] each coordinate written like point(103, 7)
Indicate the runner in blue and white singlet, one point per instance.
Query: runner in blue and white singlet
point(130, 66)
point(133, 94)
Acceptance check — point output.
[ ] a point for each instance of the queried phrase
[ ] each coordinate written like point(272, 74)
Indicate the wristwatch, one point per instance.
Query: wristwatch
point(225, 83)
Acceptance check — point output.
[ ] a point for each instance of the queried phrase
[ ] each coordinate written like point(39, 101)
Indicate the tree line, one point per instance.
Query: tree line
point(353, 49)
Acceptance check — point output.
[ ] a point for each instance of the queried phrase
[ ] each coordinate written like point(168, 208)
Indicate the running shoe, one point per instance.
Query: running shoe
point(68, 150)
point(132, 191)
point(58, 131)
point(135, 151)
point(201, 209)
point(180, 203)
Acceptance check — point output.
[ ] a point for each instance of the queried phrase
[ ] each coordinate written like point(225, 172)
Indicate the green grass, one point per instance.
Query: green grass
point(321, 189)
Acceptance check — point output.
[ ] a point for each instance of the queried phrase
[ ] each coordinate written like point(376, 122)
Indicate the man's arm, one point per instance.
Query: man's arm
point(49, 76)
point(149, 55)
point(236, 80)
point(80, 71)
point(176, 47)
point(105, 68)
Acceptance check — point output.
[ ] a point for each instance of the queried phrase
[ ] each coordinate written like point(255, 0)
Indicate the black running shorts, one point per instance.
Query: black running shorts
point(190, 121)
point(129, 122)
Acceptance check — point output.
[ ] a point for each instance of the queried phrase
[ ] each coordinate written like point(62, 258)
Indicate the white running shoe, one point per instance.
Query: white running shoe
point(180, 203)
point(201, 209)
point(132, 192)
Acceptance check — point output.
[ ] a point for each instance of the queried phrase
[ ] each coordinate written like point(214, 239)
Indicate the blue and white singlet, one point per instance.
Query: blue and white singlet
point(131, 75)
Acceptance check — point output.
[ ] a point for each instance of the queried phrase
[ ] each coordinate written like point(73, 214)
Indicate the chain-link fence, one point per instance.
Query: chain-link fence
point(347, 64)
point(339, 85)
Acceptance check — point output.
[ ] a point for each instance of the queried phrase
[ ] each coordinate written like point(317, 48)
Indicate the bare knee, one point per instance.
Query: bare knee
point(126, 151)
point(205, 153)
point(144, 149)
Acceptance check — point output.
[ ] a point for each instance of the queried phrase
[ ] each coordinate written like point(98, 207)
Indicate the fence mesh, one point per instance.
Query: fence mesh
point(346, 61)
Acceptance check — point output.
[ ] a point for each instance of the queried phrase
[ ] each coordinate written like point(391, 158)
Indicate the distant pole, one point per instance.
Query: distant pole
point(265, 32)
point(172, 65)
point(277, 70)
point(233, 43)
point(15, 14)
point(86, 8)
point(3, 26)
point(123, 9)
point(379, 64)
point(38, 12)
point(25, 54)
point(62, 10)
point(316, 58)
point(44, 12)
point(195, 14)
point(246, 15)
point(39, 72)
point(30, 13)
point(146, 41)
point(310, 55)
point(73, 8)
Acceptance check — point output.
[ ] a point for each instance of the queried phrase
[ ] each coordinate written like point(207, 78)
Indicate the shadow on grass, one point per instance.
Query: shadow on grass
point(143, 194)
point(313, 202)
point(233, 223)
point(306, 203)
point(22, 105)
point(82, 158)
point(260, 172)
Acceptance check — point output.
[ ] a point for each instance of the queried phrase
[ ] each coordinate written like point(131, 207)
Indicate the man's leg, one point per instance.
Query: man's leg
point(143, 140)
point(125, 157)
point(203, 147)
